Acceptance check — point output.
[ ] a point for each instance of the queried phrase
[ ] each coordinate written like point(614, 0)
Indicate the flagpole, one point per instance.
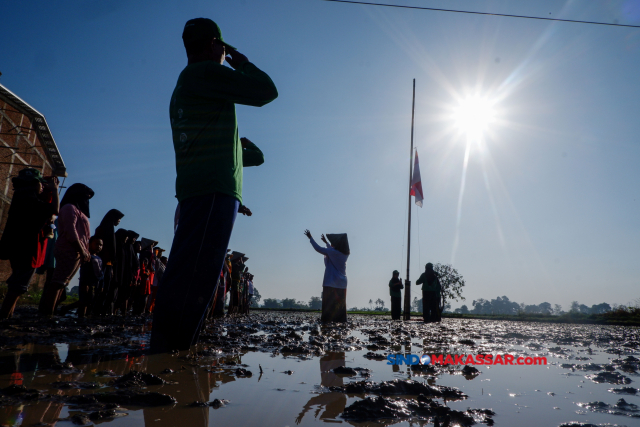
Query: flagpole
point(407, 282)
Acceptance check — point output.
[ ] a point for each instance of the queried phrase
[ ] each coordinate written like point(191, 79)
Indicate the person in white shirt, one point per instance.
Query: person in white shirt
point(334, 284)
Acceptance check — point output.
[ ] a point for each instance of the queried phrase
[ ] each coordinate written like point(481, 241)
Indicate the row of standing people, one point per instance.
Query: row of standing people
point(126, 284)
point(53, 236)
point(235, 281)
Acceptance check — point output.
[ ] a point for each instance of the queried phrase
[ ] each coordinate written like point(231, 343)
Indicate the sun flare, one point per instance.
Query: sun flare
point(474, 115)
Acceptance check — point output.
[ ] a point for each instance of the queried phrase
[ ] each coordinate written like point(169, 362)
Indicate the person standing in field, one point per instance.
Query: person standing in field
point(106, 295)
point(334, 284)
point(430, 294)
point(23, 243)
point(209, 161)
point(91, 273)
point(395, 290)
point(72, 247)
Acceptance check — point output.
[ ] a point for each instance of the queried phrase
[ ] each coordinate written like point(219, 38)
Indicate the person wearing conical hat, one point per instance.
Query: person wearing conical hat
point(334, 284)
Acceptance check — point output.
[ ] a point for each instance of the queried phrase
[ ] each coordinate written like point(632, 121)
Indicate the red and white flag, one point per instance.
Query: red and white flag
point(416, 183)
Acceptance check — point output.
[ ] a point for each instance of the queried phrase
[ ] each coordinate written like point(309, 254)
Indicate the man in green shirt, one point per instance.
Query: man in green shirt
point(430, 294)
point(209, 161)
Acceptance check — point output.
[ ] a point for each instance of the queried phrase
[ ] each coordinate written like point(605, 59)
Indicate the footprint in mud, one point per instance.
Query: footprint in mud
point(400, 387)
point(74, 385)
point(609, 377)
point(381, 408)
point(620, 408)
point(137, 379)
point(374, 356)
point(241, 372)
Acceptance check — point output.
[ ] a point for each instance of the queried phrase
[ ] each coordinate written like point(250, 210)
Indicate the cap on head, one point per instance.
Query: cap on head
point(200, 29)
point(30, 174)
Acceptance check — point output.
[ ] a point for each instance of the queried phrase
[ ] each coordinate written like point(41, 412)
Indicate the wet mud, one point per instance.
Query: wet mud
point(284, 368)
point(421, 409)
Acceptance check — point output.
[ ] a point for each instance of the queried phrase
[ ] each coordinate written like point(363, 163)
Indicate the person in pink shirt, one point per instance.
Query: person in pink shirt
point(72, 247)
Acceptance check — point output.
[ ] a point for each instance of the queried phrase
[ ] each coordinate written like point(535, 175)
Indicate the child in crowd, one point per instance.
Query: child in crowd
point(91, 274)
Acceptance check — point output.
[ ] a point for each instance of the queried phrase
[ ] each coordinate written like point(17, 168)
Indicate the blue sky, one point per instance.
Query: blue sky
point(550, 205)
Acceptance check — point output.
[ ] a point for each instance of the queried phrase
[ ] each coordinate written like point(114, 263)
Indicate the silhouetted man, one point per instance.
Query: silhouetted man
point(209, 161)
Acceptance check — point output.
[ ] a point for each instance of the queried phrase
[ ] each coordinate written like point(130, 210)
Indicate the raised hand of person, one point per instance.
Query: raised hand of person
point(324, 239)
point(52, 183)
point(307, 233)
point(236, 59)
point(244, 210)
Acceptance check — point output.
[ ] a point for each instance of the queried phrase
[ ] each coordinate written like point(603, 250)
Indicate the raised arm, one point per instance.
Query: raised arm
point(318, 248)
point(247, 85)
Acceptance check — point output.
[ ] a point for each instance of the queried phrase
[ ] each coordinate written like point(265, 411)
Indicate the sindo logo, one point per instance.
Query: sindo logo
point(409, 359)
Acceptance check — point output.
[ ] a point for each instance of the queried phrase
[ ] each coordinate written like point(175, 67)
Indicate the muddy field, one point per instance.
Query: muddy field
point(277, 368)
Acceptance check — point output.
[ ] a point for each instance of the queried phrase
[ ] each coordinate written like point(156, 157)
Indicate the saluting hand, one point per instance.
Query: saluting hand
point(236, 59)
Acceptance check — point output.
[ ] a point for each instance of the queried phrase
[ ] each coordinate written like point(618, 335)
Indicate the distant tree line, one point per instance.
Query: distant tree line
point(498, 305)
point(315, 303)
point(502, 305)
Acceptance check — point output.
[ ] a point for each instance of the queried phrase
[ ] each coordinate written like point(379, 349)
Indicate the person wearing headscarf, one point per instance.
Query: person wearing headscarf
point(430, 294)
point(334, 284)
point(236, 279)
point(147, 275)
point(395, 290)
point(106, 294)
point(143, 289)
point(72, 247)
point(129, 272)
point(111, 294)
point(157, 277)
point(23, 243)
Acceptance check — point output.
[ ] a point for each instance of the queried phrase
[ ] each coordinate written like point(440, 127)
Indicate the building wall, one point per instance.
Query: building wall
point(20, 147)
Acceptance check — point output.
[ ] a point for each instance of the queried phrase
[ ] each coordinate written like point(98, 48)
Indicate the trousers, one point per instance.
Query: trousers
point(430, 310)
point(195, 262)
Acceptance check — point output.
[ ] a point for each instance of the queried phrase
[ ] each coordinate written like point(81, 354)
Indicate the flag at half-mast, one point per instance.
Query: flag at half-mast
point(416, 182)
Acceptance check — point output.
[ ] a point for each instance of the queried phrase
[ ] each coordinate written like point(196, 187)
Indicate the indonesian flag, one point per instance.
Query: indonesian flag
point(416, 183)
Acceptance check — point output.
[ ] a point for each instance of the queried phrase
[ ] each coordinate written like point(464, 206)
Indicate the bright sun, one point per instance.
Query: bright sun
point(474, 115)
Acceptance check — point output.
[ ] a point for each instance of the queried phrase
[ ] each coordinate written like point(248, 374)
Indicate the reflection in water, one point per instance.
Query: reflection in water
point(37, 366)
point(332, 404)
point(22, 368)
point(193, 384)
point(278, 399)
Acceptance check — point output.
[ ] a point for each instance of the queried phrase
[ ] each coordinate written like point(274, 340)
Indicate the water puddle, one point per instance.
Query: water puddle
point(285, 369)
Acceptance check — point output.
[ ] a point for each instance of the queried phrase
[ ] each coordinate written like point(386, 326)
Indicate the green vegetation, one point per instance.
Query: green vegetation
point(33, 295)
